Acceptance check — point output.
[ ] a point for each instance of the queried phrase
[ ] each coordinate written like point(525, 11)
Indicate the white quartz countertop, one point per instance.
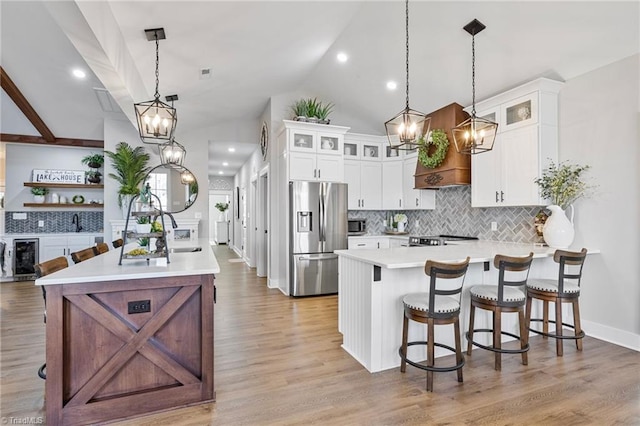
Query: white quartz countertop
point(52, 234)
point(478, 251)
point(105, 266)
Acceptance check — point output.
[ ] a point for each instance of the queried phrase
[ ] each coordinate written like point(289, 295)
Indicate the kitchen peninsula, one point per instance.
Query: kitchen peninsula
point(372, 283)
point(123, 341)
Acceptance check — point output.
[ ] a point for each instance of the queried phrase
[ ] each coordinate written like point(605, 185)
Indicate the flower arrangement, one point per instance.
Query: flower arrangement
point(222, 207)
point(562, 183)
point(400, 218)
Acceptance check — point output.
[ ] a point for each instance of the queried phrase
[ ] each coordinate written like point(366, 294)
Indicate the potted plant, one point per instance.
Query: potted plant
point(561, 184)
point(39, 193)
point(94, 161)
point(143, 225)
point(311, 110)
point(93, 176)
point(300, 110)
point(130, 165)
point(222, 208)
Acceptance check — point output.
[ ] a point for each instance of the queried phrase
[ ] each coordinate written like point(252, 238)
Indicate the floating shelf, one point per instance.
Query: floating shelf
point(65, 185)
point(93, 206)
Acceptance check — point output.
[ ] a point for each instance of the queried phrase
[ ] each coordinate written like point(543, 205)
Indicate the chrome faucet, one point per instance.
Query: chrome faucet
point(76, 221)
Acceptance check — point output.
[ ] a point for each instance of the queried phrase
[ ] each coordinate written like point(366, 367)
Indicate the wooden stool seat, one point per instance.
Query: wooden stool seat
point(42, 269)
point(440, 305)
point(101, 248)
point(566, 289)
point(117, 243)
point(507, 296)
point(82, 255)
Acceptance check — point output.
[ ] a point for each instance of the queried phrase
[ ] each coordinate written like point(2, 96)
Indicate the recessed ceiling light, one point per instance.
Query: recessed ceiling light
point(225, 164)
point(232, 150)
point(392, 85)
point(342, 57)
point(220, 172)
point(78, 73)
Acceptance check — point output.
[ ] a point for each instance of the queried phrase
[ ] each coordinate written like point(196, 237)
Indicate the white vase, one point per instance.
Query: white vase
point(558, 230)
point(400, 226)
point(126, 200)
point(38, 199)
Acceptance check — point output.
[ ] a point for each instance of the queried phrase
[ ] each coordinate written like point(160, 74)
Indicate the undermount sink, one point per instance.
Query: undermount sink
point(185, 249)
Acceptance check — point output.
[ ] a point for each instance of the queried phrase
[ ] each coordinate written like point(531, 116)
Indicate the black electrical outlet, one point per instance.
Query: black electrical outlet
point(139, 306)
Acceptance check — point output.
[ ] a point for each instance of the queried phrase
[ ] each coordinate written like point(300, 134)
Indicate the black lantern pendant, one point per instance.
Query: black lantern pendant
point(156, 120)
point(475, 135)
point(172, 153)
point(406, 130)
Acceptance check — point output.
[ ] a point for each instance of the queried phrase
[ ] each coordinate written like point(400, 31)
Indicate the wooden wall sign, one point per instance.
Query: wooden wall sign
point(58, 176)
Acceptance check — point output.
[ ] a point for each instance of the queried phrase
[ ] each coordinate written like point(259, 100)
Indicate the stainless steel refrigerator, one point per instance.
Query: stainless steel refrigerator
point(317, 227)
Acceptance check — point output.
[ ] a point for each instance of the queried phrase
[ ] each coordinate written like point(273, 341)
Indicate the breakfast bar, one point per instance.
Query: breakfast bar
point(372, 283)
point(122, 341)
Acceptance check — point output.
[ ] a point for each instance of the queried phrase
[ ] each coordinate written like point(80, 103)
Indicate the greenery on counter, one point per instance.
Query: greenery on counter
point(222, 207)
point(562, 183)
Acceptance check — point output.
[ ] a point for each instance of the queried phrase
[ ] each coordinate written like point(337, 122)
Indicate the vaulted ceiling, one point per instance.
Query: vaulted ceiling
point(259, 49)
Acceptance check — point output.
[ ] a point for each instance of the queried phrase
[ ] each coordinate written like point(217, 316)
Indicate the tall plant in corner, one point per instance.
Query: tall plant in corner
point(130, 165)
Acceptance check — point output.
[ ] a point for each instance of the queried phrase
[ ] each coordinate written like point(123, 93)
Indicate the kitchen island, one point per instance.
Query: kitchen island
point(372, 283)
point(123, 341)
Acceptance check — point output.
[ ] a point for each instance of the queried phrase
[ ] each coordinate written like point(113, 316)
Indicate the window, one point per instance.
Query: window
point(158, 184)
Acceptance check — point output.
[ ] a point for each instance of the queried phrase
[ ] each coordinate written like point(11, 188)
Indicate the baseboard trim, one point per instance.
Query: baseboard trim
point(612, 335)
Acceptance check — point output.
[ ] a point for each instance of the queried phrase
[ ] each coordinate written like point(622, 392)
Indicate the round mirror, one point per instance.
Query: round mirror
point(175, 186)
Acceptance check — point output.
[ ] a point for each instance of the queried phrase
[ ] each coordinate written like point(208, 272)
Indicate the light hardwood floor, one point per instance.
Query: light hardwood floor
point(278, 361)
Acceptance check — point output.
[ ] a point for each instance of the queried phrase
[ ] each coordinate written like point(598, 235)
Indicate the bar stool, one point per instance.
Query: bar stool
point(505, 297)
point(566, 289)
point(440, 305)
point(42, 269)
point(81, 255)
point(101, 248)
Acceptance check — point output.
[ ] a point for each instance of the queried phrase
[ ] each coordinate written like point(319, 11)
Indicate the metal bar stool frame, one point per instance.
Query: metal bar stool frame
point(497, 307)
point(554, 291)
point(432, 317)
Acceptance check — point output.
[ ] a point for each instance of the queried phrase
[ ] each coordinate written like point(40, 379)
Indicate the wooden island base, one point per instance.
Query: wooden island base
point(105, 363)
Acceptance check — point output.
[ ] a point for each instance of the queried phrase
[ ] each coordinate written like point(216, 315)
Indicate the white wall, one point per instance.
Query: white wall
point(23, 158)
point(599, 126)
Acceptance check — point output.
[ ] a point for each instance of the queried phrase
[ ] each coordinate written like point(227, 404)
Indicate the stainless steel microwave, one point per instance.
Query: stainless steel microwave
point(357, 226)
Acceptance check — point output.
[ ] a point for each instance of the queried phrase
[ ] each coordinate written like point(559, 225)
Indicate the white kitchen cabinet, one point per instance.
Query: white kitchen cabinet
point(315, 151)
point(63, 245)
point(315, 167)
point(363, 147)
point(368, 243)
point(527, 140)
point(363, 179)
point(8, 257)
point(392, 191)
point(398, 242)
point(415, 199)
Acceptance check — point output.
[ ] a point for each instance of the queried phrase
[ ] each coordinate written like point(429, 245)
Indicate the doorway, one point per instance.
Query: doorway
point(262, 225)
point(219, 232)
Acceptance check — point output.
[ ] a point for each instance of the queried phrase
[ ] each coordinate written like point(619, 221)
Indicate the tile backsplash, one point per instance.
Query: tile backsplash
point(54, 222)
point(455, 216)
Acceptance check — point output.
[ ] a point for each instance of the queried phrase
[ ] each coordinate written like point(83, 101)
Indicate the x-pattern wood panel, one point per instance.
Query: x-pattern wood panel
point(135, 342)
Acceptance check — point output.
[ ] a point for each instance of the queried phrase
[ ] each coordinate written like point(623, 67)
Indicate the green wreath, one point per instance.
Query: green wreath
point(439, 140)
point(78, 199)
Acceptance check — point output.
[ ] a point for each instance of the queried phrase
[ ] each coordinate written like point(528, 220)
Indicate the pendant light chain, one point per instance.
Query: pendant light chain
point(473, 75)
point(157, 95)
point(407, 47)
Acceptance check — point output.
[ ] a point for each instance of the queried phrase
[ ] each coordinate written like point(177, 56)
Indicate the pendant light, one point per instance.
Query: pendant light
point(186, 178)
point(475, 135)
point(172, 153)
point(156, 120)
point(409, 127)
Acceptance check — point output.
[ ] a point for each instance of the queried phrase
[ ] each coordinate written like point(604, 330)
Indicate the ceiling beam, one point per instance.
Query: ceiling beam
point(85, 143)
point(21, 102)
